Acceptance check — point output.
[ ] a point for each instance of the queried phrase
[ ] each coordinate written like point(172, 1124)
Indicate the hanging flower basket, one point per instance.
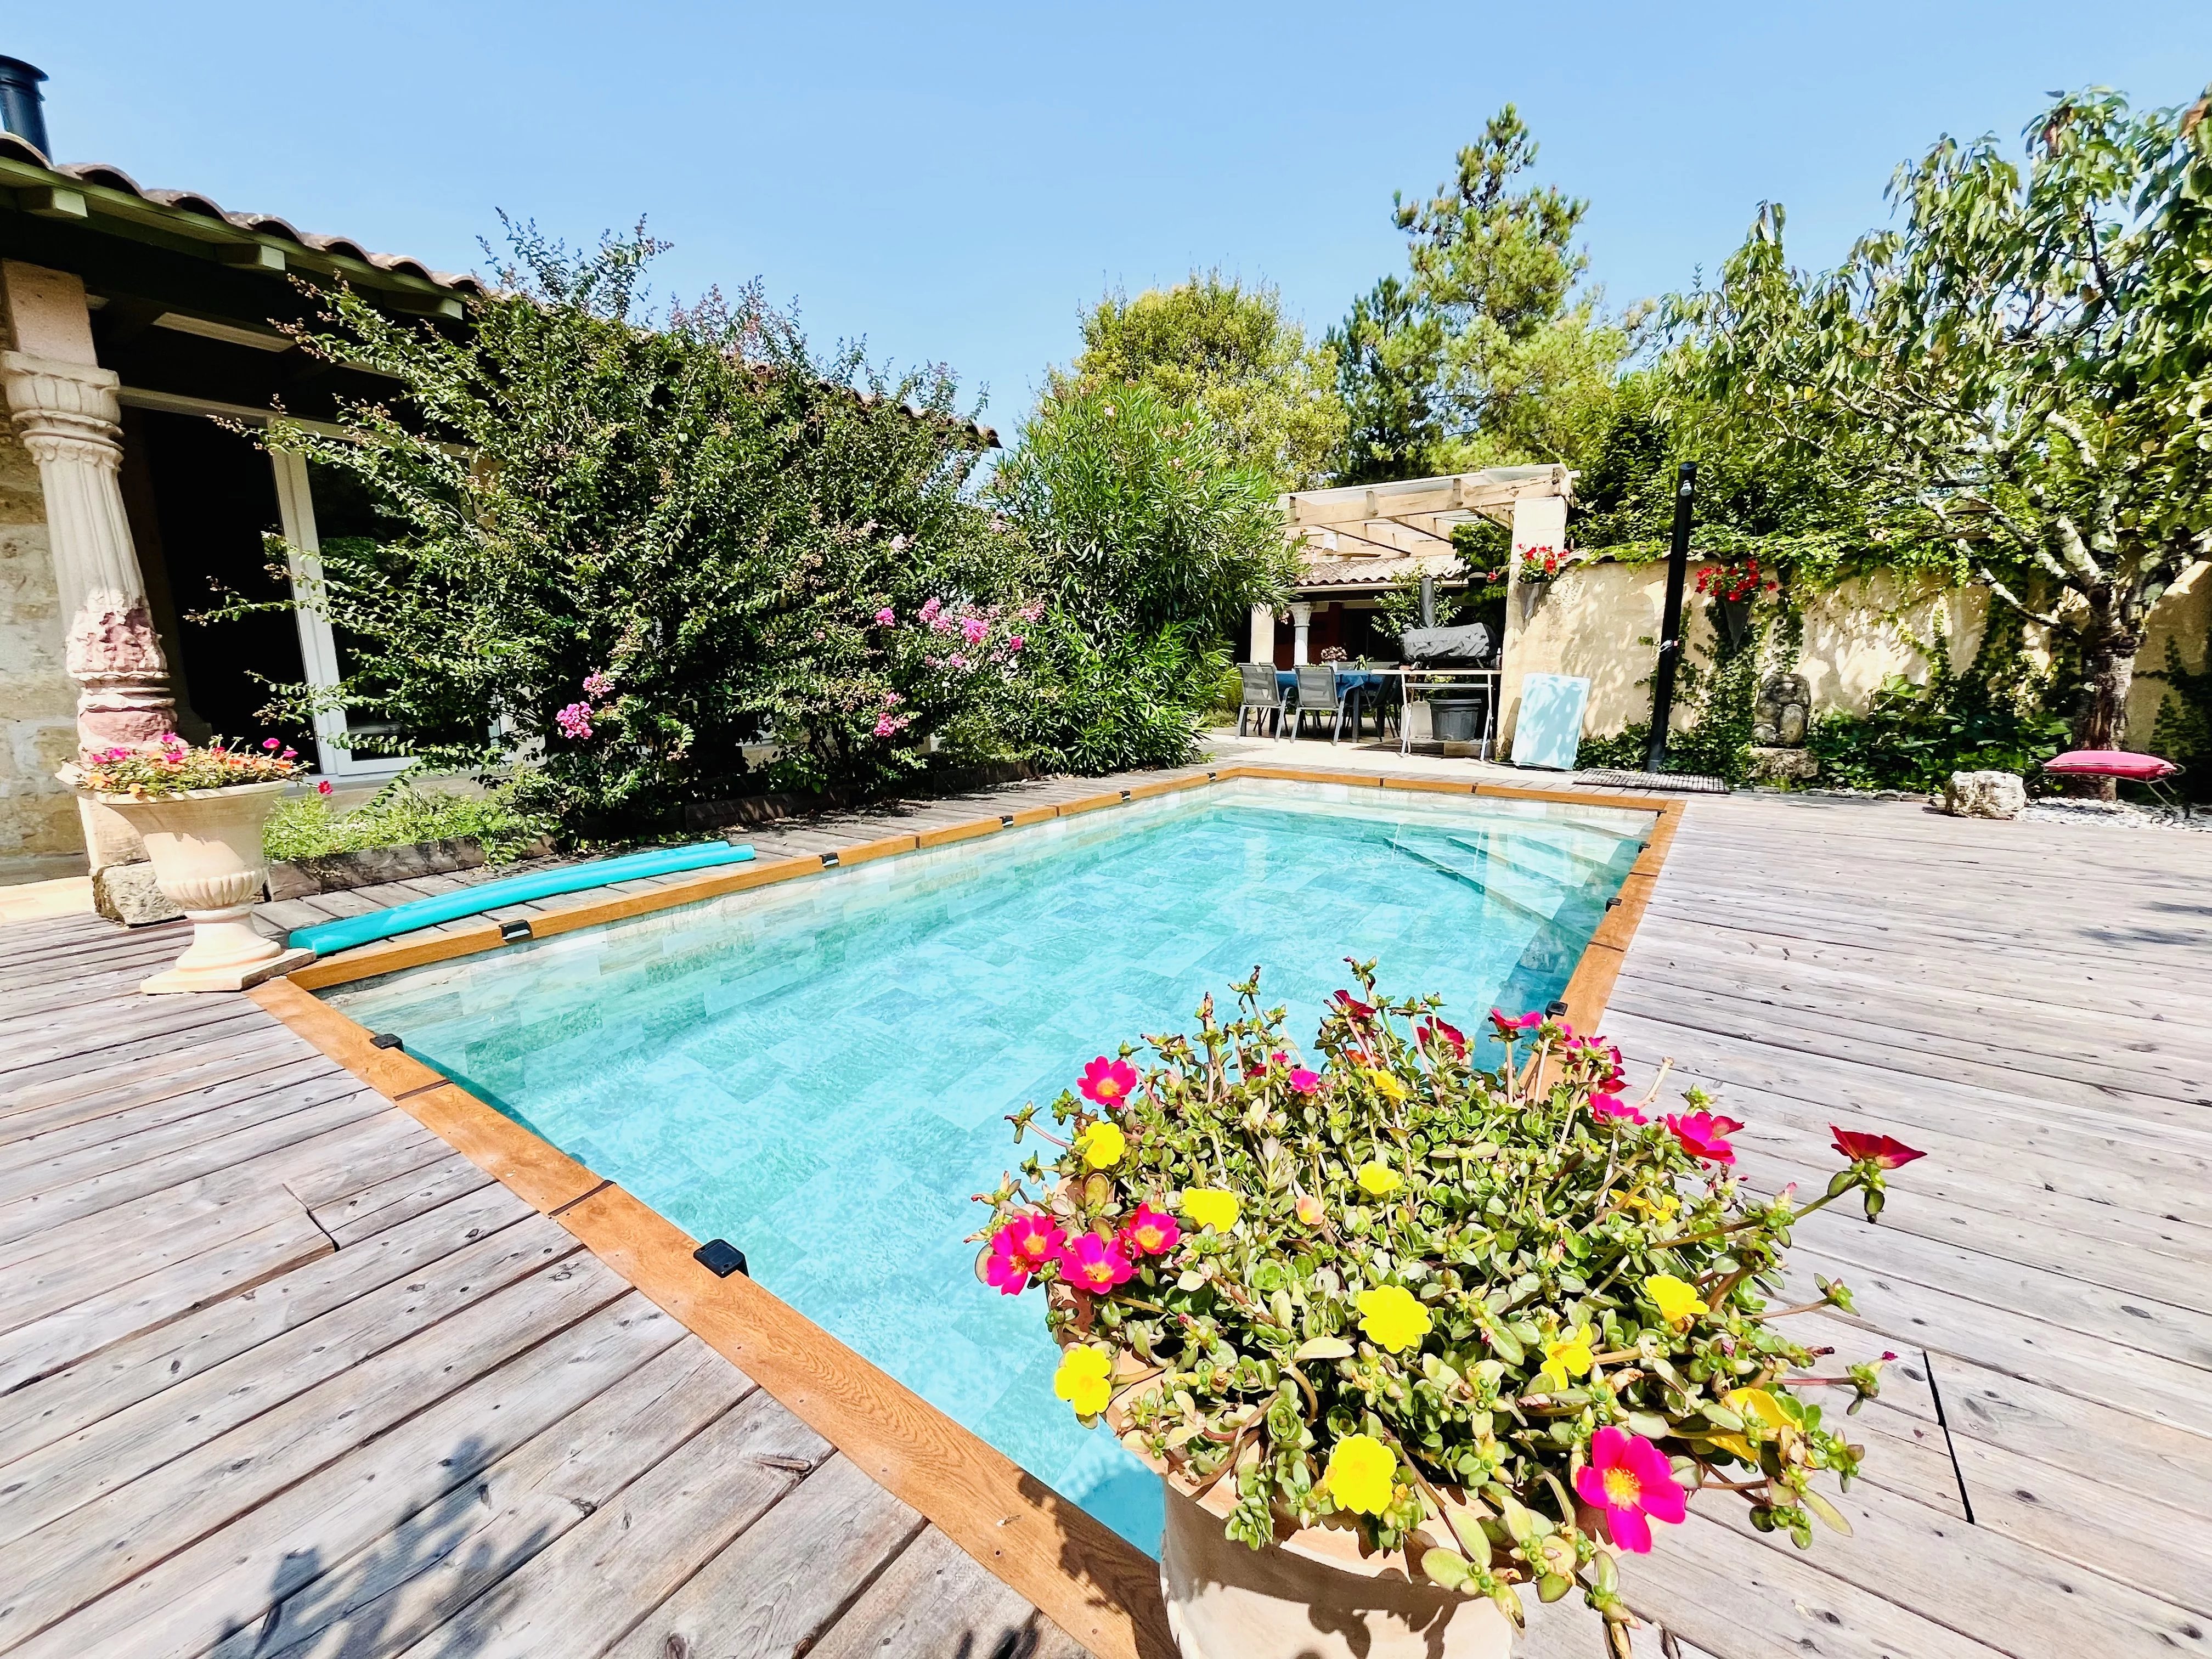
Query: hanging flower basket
point(1733, 588)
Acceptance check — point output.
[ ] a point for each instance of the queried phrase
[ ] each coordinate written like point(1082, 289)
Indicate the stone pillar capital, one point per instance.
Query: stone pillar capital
point(64, 411)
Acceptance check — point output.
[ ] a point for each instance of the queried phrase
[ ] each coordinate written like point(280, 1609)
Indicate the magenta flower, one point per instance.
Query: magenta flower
point(1629, 1479)
point(324, 787)
point(575, 721)
point(270, 745)
point(290, 754)
point(1095, 1263)
point(1107, 1082)
point(974, 631)
point(1148, 1232)
point(886, 616)
point(1353, 1008)
point(1035, 1236)
point(1305, 1081)
point(1007, 1269)
point(597, 684)
point(886, 727)
point(1609, 1105)
point(929, 610)
point(1014, 643)
point(1508, 1028)
point(1704, 1135)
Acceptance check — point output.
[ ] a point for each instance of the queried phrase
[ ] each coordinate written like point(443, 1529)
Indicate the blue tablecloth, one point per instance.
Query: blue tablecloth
point(1347, 679)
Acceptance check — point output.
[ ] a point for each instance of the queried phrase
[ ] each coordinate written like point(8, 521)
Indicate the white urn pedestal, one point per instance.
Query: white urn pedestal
point(205, 845)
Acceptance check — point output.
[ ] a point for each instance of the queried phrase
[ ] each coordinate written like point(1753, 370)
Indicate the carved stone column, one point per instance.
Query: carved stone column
point(1301, 625)
point(67, 415)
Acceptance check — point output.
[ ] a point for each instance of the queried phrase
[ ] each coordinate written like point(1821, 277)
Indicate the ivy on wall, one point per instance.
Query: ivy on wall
point(2183, 731)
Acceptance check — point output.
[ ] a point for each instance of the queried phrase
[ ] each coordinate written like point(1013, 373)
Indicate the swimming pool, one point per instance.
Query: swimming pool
point(820, 1071)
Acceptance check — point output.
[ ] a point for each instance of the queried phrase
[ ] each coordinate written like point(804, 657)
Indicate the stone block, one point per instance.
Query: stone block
point(127, 893)
point(1984, 795)
point(1775, 765)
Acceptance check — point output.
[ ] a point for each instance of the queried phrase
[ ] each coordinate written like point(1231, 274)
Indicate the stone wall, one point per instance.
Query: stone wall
point(38, 700)
point(1592, 622)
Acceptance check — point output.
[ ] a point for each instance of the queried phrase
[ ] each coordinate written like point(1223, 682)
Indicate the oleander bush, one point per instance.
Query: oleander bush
point(1496, 1316)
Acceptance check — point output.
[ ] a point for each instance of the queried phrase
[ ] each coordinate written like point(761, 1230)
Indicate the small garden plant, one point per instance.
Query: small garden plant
point(1501, 1319)
point(399, 815)
point(171, 766)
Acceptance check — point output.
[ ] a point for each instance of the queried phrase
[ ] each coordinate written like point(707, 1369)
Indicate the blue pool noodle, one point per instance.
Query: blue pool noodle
point(324, 937)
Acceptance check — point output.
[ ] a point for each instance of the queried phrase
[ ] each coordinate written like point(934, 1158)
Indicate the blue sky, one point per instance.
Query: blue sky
point(956, 183)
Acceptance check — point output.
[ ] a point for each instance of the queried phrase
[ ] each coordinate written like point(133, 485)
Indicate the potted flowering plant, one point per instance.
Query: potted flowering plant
point(1404, 1335)
point(1733, 588)
point(200, 811)
point(1534, 569)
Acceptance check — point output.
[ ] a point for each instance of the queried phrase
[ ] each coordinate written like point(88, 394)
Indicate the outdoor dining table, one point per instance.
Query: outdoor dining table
point(1355, 685)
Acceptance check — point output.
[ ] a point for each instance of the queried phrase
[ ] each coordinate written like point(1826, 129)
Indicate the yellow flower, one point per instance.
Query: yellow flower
point(1362, 1473)
point(1101, 1145)
point(1379, 1180)
point(1081, 1380)
point(1677, 1299)
point(1757, 1407)
point(1662, 1206)
point(1210, 1206)
point(1385, 1083)
point(1568, 1355)
point(1392, 1318)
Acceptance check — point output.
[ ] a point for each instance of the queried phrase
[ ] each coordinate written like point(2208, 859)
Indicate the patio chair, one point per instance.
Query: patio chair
point(1263, 695)
point(1317, 695)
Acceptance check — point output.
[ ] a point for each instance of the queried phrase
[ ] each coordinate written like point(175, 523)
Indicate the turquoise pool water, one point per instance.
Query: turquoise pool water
point(820, 1072)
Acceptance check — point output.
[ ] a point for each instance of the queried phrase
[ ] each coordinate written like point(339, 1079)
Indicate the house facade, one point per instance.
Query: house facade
point(142, 340)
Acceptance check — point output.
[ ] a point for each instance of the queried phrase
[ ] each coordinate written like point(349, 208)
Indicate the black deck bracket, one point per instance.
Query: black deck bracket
point(387, 1040)
point(1006, 820)
point(1613, 903)
point(721, 1258)
point(511, 931)
point(829, 860)
point(1125, 794)
point(1555, 1009)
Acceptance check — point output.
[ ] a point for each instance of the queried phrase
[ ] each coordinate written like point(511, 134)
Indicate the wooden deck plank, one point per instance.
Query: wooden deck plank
point(933, 1601)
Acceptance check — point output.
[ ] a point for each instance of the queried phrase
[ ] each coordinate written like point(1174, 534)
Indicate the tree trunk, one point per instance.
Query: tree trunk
point(2109, 645)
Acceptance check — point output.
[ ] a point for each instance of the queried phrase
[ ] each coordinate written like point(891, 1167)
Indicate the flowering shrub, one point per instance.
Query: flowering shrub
point(1501, 1319)
point(1736, 582)
point(1539, 564)
point(174, 766)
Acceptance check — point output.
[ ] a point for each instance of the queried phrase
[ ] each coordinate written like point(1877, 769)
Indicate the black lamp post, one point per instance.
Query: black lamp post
point(1670, 622)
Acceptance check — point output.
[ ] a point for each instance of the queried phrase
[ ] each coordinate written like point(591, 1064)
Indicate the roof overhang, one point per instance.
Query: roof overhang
point(1370, 535)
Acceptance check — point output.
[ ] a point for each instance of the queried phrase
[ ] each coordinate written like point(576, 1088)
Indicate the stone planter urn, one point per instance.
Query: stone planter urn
point(1311, 1594)
point(205, 845)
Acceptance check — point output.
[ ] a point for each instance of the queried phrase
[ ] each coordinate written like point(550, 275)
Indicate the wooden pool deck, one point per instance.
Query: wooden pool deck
point(283, 1373)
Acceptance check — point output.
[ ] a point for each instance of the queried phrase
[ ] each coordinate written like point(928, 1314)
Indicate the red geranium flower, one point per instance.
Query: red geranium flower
point(1863, 1148)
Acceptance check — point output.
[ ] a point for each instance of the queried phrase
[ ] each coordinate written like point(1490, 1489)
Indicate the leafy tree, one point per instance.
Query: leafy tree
point(1388, 352)
point(630, 550)
point(2024, 363)
point(1149, 546)
point(1228, 352)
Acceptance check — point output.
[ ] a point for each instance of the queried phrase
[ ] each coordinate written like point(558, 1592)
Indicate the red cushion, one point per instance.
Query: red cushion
point(2110, 764)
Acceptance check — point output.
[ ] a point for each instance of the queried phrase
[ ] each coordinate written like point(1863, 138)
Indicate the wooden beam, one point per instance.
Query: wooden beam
point(52, 202)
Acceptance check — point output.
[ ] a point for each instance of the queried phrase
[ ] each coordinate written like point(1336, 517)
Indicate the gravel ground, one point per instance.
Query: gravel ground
point(2097, 814)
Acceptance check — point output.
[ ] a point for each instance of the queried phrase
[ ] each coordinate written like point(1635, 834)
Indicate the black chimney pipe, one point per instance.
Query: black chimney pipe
point(22, 105)
point(1670, 622)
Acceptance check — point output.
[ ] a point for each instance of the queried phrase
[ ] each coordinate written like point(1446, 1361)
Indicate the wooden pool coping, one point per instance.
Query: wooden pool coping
point(1093, 1584)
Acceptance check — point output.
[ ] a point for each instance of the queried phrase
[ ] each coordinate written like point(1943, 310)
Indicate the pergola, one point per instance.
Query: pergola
point(1356, 541)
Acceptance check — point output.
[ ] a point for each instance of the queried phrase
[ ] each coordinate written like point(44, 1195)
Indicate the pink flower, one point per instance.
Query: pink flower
point(1353, 1008)
point(892, 700)
point(929, 611)
point(1035, 1236)
point(956, 660)
point(1704, 1135)
point(597, 684)
point(974, 631)
point(1107, 1082)
point(1615, 1106)
point(1863, 1148)
point(1629, 1479)
point(1095, 1263)
point(1014, 643)
point(1007, 1269)
point(1509, 1029)
point(575, 721)
point(290, 754)
point(324, 787)
point(887, 727)
point(1306, 1082)
point(1148, 1232)
point(270, 745)
point(1031, 611)
point(886, 616)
